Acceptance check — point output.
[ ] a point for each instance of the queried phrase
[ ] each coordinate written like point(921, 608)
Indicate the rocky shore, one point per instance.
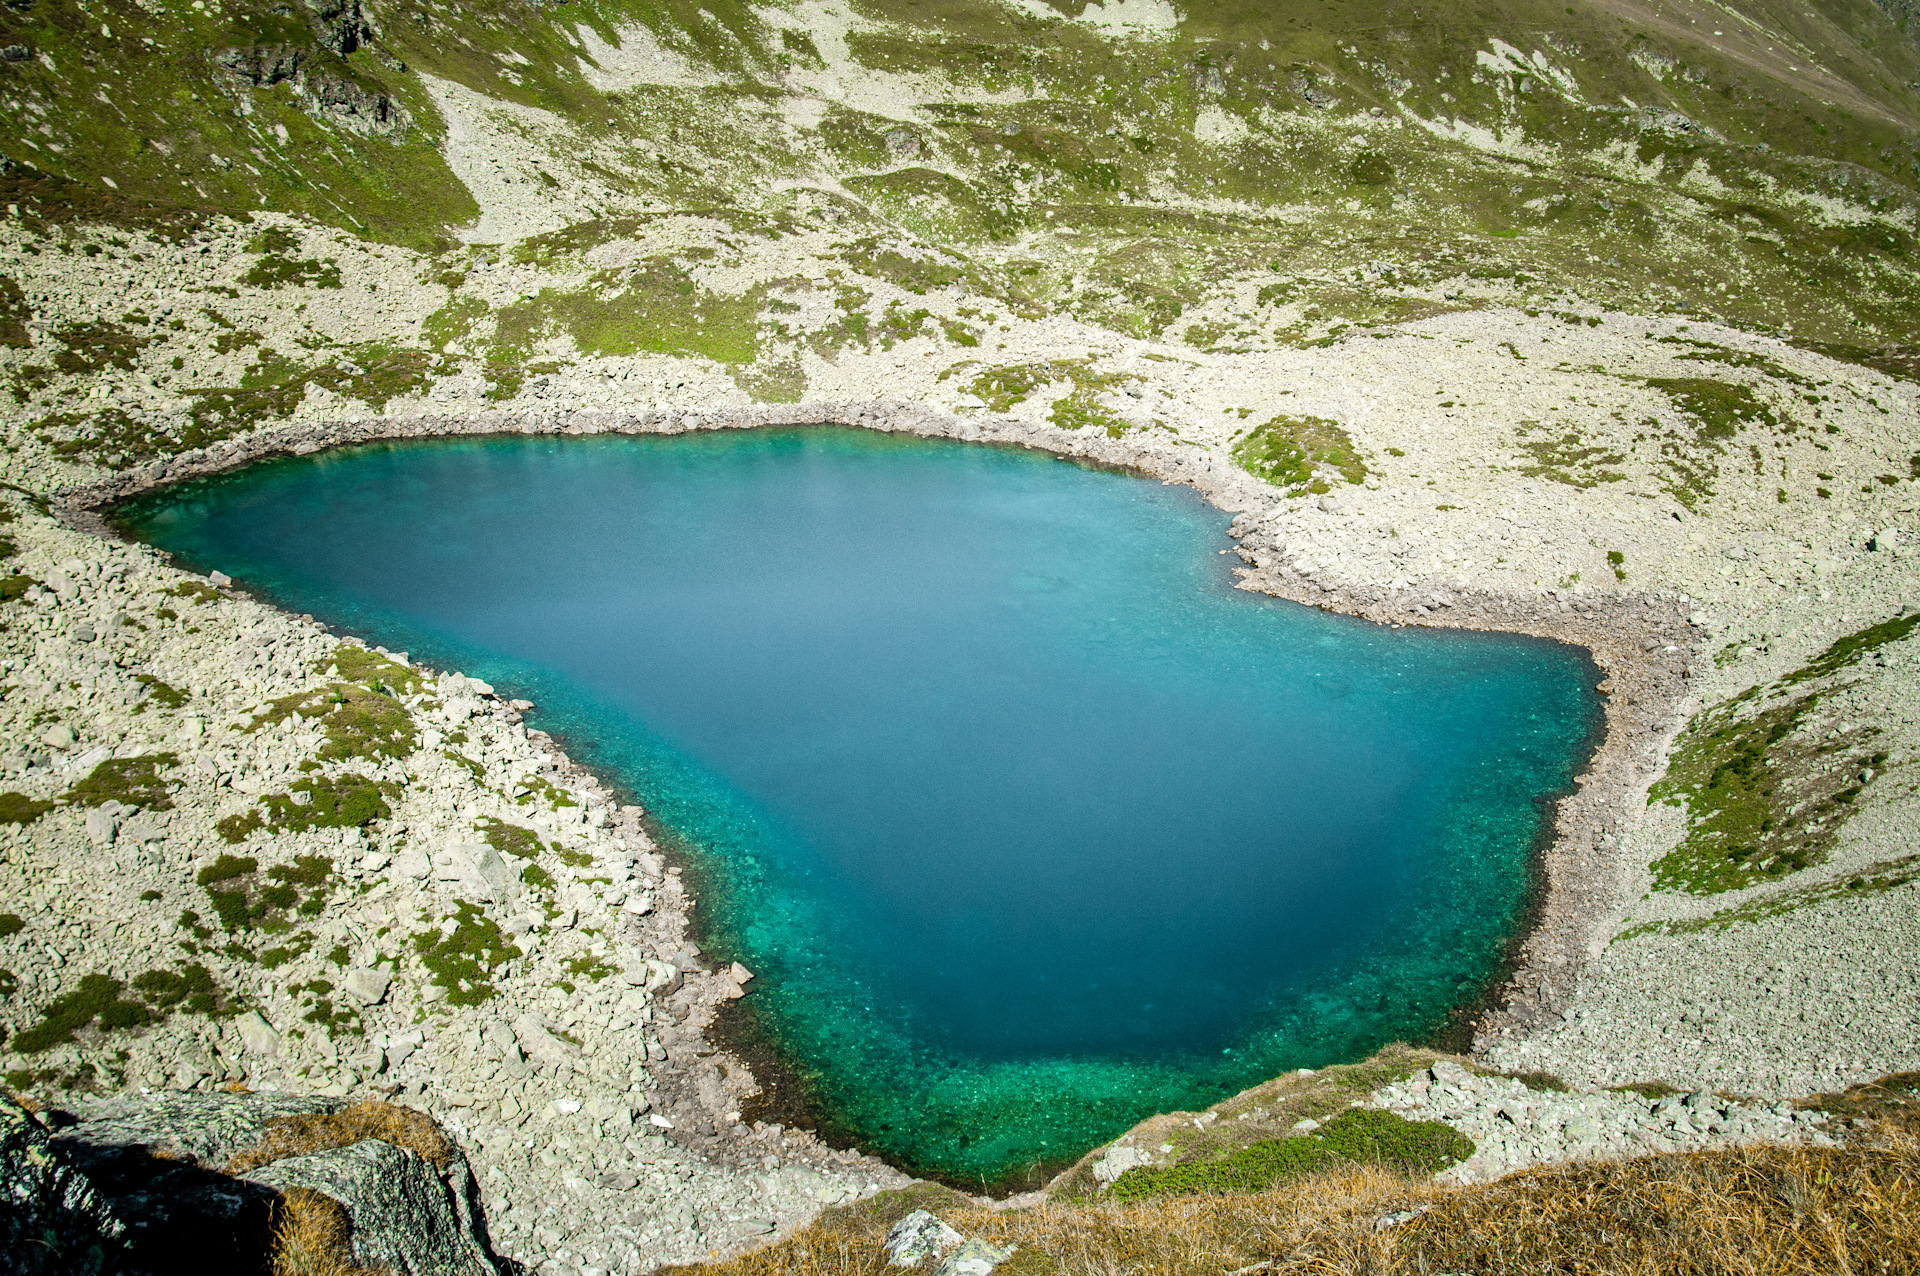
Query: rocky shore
point(502, 946)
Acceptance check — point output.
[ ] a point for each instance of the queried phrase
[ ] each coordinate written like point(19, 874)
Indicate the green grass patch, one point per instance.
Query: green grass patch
point(348, 800)
point(360, 720)
point(1765, 795)
point(1357, 1136)
point(256, 900)
point(461, 960)
point(158, 693)
point(11, 924)
point(1873, 879)
point(190, 988)
point(97, 998)
point(1848, 651)
point(18, 808)
point(1293, 452)
point(133, 781)
point(1719, 409)
point(1567, 458)
point(511, 839)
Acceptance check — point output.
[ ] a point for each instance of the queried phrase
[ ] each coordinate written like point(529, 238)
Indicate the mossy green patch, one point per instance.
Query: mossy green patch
point(1848, 651)
point(589, 967)
point(18, 808)
point(540, 789)
point(250, 902)
point(1298, 452)
point(346, 800)
point(463, 956)
point(363, 720)
point(655, 305)
point(158, 693)
point(369, 668)
point(511, 839)
point(1003, 387)
point(274, 270)
point(133, 781)
point(1567, 458)
point(274, 386)
point(1767, 786)
point(97, 345)
point(1883, 875)
point(1356, 1137)
point(14, 313)
point(1719, 409)
point(97, 998)
point(189, 988)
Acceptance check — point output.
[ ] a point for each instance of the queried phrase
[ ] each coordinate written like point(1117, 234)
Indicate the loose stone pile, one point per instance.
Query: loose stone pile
point(1514, 1126)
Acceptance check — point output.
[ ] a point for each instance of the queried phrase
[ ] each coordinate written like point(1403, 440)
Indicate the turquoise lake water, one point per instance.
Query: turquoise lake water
point(1029, 823)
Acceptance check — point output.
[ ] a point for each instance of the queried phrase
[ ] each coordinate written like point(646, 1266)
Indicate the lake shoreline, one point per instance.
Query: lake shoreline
point(1632, 639)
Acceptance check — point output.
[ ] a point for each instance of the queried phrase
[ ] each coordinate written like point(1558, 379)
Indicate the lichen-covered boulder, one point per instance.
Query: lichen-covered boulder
point(404, 1214)
point(51, 1218)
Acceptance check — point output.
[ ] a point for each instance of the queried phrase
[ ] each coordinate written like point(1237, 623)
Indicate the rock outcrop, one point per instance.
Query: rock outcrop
point(51, 1218)
point(201, 1182)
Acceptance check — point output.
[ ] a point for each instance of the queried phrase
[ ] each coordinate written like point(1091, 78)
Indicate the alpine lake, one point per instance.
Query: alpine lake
point(1028, 822)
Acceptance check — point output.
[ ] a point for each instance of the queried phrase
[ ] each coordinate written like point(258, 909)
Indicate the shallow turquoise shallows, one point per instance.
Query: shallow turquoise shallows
point(1030, 824)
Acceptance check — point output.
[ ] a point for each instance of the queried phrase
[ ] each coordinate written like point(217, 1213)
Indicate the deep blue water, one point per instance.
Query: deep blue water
point(1030, 824)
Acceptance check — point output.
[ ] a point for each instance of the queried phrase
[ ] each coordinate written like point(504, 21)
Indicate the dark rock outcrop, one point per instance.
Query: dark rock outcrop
point(51, 1218)
point(156, 1185)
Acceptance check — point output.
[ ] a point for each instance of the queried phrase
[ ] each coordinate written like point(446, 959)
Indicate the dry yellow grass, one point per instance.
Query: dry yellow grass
point(312, 1236)
point(371, 1119)
point(1758, 1211)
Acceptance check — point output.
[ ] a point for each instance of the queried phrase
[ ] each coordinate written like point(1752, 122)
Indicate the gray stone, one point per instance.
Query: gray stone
point(918, 1237)
point(257, 1035)
point(140, 832)
point(477, 869)
point(541, 1045)
point(974, 1258)
point(100, 828)
point(367, 986)
point(1116, 1162)
point(59, 736)
point(404, 1215)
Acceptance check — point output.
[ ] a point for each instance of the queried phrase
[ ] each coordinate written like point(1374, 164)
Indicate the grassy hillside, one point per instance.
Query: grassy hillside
point(1755, 162)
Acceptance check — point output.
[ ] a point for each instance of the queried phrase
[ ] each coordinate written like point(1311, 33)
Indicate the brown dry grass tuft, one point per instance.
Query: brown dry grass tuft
point(312, 1236)
point(371, 1119)
point(1758, 1211)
